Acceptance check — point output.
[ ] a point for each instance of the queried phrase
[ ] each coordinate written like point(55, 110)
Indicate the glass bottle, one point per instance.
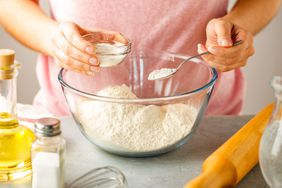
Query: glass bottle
point(271, 143)
point(15, 140)
point(48, 154)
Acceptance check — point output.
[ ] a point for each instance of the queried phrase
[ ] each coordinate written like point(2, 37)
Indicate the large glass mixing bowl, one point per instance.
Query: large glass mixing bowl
point(161, 115)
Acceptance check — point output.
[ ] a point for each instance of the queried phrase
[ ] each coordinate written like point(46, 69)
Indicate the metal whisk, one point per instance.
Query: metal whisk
point(104, 177)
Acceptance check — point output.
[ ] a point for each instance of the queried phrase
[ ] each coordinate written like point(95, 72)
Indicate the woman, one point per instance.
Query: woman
point(177, 26)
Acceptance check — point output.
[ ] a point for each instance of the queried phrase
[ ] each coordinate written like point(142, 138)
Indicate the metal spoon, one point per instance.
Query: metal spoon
point(168, 72)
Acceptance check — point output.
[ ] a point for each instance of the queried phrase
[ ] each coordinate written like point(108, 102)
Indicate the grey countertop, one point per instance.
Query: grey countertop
point(171, 170)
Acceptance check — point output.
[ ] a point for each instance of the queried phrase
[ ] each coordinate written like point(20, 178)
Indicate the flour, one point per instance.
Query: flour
point(110, 54)
point(132, 127)
point(160, 73)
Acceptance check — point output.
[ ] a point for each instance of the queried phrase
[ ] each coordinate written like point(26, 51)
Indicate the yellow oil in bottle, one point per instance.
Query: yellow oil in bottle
point(15, 147)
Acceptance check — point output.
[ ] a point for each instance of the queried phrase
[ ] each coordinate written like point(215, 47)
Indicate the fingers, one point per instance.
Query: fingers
point(72, 64)
point(226, 59)
point(107, 36)
point(226, 64)
point(67, 48)
point(221, 36)
point(111, 36)
point(72, 34)
point(73, 50)
point(245, 49)
point(64, 61)
point(219, 33)
point(223, 32)
point(219, 63)
point(231, 52)
point(120, 38)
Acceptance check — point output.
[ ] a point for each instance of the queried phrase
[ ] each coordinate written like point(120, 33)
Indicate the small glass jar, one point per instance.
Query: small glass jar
point(108, 54)
point(48, 154)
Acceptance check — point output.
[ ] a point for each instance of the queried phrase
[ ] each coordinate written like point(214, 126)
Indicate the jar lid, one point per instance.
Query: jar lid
point(47, 127)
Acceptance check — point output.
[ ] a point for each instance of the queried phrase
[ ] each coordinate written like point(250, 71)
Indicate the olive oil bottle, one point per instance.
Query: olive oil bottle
point(15, 140)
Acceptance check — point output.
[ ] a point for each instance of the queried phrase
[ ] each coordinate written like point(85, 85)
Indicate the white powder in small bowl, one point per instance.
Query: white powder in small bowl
point(131, 127)
point(110, 54)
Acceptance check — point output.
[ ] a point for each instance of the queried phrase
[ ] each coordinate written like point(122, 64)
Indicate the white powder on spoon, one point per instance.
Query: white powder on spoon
point(131, 127)
point(160, 73)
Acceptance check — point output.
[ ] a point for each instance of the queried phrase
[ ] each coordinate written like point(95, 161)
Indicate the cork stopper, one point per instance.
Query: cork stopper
point(6, 58)
point(7, 66)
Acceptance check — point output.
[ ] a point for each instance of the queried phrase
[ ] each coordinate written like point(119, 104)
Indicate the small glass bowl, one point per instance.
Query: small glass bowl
point(108, 54)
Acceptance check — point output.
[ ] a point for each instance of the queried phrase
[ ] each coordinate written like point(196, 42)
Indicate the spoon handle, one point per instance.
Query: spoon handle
point(236, 43)
point(171, 72)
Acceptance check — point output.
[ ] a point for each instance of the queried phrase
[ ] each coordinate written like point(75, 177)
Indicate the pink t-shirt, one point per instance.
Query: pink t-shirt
point(176, 26)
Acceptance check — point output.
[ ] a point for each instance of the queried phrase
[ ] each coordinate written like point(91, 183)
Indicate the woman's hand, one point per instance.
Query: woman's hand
point(71, 51)
point(221, 35)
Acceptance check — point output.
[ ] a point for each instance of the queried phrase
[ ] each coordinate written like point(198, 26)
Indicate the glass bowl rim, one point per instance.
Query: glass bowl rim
point(210, 83)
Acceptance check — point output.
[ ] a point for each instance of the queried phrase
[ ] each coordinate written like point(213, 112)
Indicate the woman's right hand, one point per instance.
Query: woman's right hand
point(71, 51)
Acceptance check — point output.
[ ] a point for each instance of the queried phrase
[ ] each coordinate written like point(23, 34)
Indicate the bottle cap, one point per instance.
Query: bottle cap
point(7, 58)
point(7, 65)
point(47, 127)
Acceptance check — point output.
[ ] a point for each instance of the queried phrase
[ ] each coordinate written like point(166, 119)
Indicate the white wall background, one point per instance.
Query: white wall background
point(266, 62)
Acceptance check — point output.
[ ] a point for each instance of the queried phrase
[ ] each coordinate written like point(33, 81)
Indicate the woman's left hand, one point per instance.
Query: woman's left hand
point(221, 35)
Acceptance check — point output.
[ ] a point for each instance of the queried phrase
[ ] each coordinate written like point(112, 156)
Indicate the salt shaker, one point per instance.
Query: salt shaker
point(48, 153)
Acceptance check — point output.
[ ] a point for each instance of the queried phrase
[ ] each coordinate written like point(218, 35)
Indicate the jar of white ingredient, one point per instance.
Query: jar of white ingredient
point(48, 153)
point(270, 152)
point(108, 53)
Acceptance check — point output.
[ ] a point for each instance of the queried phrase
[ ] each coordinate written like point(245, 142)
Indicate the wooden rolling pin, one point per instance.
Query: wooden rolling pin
point(236, 157)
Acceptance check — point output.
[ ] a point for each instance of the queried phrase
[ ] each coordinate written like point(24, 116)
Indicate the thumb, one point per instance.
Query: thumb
point(223, 33)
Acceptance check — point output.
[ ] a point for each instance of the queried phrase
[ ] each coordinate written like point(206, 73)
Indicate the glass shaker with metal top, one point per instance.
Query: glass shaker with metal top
point(48, 153)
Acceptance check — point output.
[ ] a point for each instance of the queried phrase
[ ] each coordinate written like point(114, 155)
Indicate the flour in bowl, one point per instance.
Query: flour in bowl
point(133, 127)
